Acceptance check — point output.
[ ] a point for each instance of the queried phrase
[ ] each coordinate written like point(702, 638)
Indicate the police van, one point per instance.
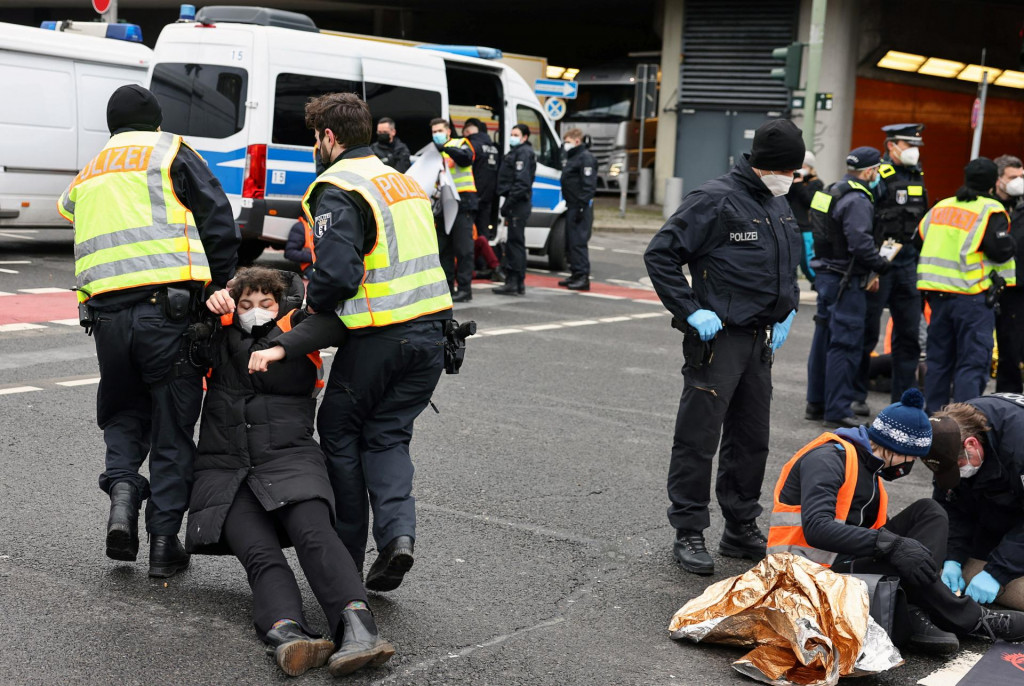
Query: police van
point(54, 85)
point(234, 82)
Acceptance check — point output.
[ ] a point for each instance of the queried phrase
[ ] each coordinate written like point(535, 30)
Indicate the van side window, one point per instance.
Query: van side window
point(291, 92)
point(411, 108)
point(475, 92)
point(203, 100)
point(544, 143)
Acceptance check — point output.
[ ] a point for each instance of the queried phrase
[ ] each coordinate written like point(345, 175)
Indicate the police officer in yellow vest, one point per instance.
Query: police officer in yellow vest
point(457, 245)
point(966, 239)
point(154, 233)
point(377, 267)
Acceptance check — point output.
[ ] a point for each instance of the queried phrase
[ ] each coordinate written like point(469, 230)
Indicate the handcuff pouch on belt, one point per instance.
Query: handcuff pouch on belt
point(697, 354)
point(455, 336)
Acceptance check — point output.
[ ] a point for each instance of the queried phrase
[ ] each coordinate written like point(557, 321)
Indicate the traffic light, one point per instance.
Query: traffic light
point(792, 55)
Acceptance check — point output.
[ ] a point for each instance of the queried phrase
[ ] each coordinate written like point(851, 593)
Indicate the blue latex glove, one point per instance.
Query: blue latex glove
point(781, 331)
point(808, 251)
point(706, 322)
point(952, 575)
point(983, 587)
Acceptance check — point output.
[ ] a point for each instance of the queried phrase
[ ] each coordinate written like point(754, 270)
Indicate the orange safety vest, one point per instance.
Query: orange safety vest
point(786, 534)
point(285, 325)
point(307, 244)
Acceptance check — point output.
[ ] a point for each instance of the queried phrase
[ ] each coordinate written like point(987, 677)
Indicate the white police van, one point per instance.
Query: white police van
point(54, 85)
point(234, 83)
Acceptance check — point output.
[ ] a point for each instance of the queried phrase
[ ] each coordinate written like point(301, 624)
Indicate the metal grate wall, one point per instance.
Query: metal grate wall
point(727, 53)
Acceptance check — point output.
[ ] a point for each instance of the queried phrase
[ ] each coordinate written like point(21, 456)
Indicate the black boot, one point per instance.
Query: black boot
point(388, 570)
point(579, 283)
point(743, 540)
point(498, 275)
point(814, 412)
point(510, 287)
point(123, 523)
point(844, 423)
point(1007, 625)
point(927, 638)
point(691, 554)
point(361, 646)
point(462, 296)
point(566, 280)
point(295, 651)
point(861, 409)
point(166, 556)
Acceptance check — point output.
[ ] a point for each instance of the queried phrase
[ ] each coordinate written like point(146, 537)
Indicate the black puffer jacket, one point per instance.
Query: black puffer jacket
point(256, 428)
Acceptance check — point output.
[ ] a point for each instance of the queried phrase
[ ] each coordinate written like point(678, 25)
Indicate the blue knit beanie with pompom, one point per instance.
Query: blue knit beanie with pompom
point(903, 427)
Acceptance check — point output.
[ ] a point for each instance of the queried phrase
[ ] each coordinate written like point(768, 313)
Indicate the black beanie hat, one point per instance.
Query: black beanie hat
point(133, 107)
point(778, 146)
point(981, 174)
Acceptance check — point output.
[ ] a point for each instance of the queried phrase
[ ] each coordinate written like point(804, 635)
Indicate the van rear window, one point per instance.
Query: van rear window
point(291, 92)
point(202, 100)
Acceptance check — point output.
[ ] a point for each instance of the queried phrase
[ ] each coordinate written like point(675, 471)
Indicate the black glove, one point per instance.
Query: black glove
point(912, 560)
point(504, 209)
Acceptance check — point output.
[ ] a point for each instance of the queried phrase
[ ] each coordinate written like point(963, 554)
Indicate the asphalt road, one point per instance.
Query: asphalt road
point(544, 553)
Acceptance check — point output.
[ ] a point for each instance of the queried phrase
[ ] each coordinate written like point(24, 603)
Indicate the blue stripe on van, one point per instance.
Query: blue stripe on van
point(547, 193)
point(230, 177)
point(289, 171)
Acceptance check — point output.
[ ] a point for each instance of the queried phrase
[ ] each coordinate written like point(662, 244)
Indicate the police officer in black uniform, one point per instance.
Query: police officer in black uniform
point(742, 245)
point(486, 163)
point(1010, 318)
point(901, 203)
point(389, 148)
point(515, 184)
point(844, 255)
point(579, 183)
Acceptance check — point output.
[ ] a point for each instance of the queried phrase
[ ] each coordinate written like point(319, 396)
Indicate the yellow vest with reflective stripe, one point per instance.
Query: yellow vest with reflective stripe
point(403, 278)
point(462, 177)
point(951, 257)
point(130, 228)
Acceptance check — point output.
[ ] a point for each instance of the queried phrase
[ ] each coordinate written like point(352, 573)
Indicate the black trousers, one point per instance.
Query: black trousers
point(897, 288)
point(379, 383)
point(144, 409)
point(577, 234)
point(515, 249)
point(252, 534)
point(484, 218)
point(926, 522)
point(1010, 336)
point(732, 393)
point(456, 250)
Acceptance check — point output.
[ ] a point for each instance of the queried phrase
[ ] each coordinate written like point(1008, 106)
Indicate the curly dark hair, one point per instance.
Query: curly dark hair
point(258, 280)
point(343, 113)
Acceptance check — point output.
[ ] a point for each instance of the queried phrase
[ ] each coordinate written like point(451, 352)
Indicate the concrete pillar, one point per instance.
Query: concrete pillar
point(834, 129)
point(671, 63)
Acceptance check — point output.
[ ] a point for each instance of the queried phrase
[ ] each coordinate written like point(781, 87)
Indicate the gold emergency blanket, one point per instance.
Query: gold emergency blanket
point(810, 625)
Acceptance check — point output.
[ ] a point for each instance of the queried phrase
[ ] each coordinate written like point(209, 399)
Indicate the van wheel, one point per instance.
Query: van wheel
point(249, 251)
point(556, 246)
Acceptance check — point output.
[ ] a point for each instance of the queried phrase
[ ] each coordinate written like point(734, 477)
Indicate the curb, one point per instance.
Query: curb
point(605, 228)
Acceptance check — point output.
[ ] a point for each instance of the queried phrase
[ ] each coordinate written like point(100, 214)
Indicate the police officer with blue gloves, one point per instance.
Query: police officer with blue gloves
point(738, 237)
point(901, 201)
point(845, 254)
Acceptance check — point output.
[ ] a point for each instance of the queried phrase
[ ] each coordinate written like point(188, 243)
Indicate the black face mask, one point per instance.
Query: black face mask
point(384, 138)
point(896, 471)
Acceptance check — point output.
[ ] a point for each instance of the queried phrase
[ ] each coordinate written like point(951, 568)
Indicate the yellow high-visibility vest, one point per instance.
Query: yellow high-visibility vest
point(402, 278)
point(951, 258)
point(462, 177)
point(130, 227)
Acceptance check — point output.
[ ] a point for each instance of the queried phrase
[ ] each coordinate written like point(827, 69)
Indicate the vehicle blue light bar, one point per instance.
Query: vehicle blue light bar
point(49, 25)
point(467, 50)
point(187, 13)
point(128, 32)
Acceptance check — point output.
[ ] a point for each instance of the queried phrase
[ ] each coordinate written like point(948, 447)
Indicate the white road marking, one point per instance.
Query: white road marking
point(7, 234)
point(621, 251)
point(609, 320)
point(65, 322)
point(542, 327)
point(5, 293)
point(951, 672)
point(18, 389)
point(632, 284)
point(581, 322)
point(647, 302)
point(500, 332)
point(597, 247)
point(602, 295)
point(19, 326)
point(41, 291)
point(9, 271)
point(15, 261)
point(79, 382)
point(648, 315)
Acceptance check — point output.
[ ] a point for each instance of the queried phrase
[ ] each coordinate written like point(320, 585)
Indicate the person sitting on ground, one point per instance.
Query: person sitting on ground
point(261, 482)
point(830, 507)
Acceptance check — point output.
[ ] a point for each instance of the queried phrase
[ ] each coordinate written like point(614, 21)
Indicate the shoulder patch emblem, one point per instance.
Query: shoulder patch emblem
point(321, 222)
point(587, 171)
point(901, 196)
point(519, 165)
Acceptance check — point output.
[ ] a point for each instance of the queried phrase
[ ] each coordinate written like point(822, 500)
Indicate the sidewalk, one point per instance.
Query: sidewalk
point(638, 219)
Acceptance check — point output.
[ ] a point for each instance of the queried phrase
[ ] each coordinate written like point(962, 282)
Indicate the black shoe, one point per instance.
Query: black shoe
point(861, 409)
point(814, 412)
point(580, 283)
point(361, 646)
point(123, 523)
point(388, 570)
point(743, 540)
point(166, 556)
point(691, 553)
point(498, 275)
point(845, 422)
point(1007, 625)
point(508, 288)
point(295, 651)
point(521, 289)
point(461, 296)
point(925, 637)
point(566, 280)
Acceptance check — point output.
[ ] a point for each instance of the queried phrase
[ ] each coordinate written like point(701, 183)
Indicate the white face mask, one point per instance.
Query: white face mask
point(910, 157)
point(1015, 188)
point(778, 185)
point(257, 316)
point(968, 470)
point(569, 146)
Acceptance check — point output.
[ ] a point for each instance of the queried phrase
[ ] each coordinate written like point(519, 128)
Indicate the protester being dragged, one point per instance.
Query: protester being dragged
point(830, 506)
point(261, 481)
